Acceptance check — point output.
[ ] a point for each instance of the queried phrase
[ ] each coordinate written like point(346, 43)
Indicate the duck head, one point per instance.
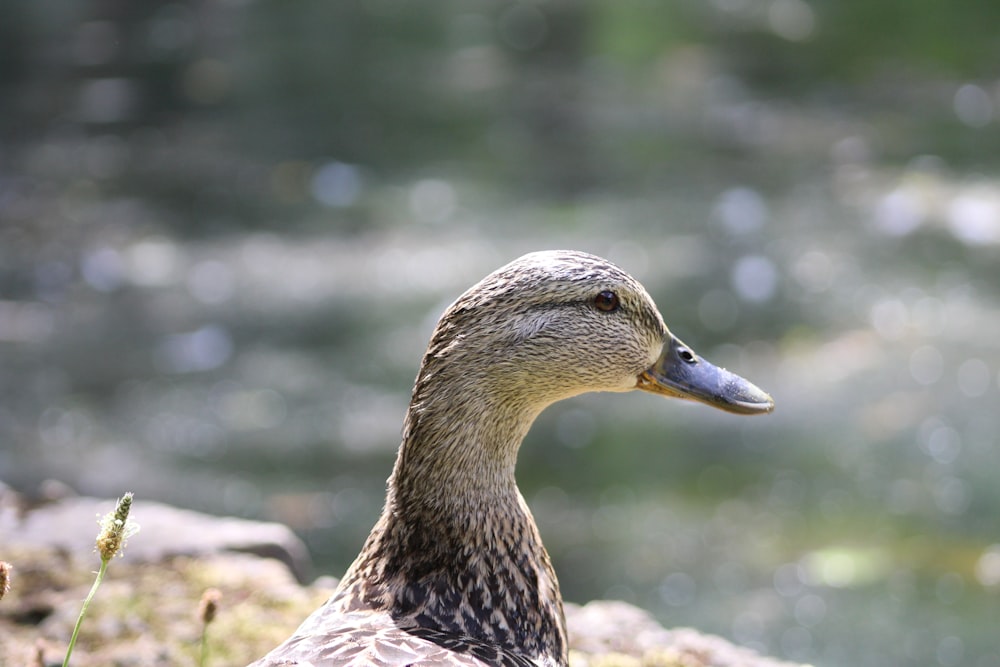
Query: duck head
point(554, 324)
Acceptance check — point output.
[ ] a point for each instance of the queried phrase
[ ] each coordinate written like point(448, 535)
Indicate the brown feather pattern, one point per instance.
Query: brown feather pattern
point(454, 572)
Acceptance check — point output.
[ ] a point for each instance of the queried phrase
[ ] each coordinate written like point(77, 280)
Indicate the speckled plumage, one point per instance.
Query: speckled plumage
point(454, 572)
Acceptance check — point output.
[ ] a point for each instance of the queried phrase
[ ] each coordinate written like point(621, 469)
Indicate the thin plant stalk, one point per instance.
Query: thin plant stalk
point(203, 657)
point(83, 611)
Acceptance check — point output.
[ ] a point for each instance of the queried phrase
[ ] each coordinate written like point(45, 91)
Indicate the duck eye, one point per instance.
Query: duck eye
point(606, 301)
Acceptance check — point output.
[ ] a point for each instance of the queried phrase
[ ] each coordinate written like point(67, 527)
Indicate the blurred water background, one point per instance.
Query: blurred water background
point(227, 228)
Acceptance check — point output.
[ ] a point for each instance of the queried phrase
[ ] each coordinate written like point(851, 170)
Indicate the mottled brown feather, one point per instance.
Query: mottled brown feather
point(454, 572)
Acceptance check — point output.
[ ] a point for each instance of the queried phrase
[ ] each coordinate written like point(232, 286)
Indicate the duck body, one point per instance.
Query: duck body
point(454, 572)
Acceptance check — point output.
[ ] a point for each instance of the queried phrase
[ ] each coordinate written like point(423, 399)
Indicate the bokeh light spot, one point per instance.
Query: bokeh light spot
point(200, 350)
point(103, 269)
point(974, 217)
point(755, 278)
point(741, 210)
point(336, 184)
point(899, 212)
point(793, 20)
point(973, 106)
point(941, 442)
point(988, 567)
point(152, 262)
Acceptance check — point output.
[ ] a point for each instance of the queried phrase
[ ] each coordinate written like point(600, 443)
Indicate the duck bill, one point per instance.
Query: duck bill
point(680, 373)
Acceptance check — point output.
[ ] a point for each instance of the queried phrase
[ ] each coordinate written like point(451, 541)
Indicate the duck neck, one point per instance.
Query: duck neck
point(456, 548)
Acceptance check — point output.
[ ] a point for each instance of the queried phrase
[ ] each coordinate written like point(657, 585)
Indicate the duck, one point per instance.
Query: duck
point(454, 572)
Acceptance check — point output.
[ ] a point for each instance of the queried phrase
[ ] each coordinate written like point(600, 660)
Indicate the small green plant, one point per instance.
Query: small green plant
point(116, 528)
point(207, 609)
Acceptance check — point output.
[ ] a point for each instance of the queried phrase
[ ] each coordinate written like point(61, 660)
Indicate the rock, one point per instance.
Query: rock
point(608, 633)
point(607, 626)
point(70, 524)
